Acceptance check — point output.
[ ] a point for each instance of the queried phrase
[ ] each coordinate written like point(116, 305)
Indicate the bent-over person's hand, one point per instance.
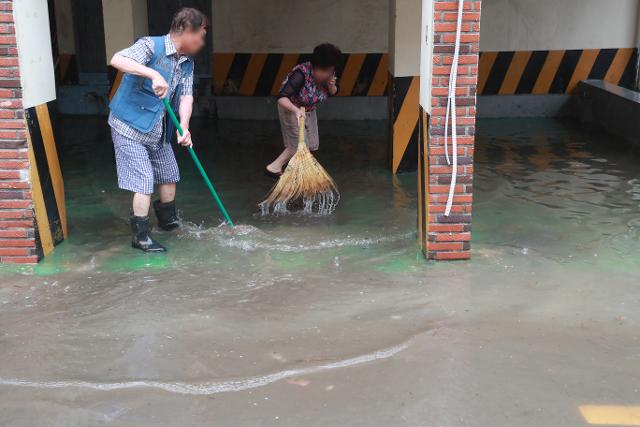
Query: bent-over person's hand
point(333, 85)
point(299, 115)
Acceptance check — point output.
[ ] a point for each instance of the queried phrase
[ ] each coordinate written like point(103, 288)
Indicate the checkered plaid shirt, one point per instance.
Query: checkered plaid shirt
point(142, 52)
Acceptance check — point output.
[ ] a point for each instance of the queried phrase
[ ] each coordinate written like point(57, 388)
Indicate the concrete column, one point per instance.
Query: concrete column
point(445, 237)
point(404, 82)
point(124, 22)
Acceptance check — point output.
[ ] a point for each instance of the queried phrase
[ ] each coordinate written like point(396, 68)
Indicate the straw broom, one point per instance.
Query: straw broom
point(303, 179)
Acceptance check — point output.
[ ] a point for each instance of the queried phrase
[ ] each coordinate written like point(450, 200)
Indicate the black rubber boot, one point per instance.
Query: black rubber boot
point(141, 238)
point(166, 213)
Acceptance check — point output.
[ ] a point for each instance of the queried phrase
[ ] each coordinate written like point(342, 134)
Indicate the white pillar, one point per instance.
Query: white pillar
point(34, 52)
point(124, 22)
point(426, 55)
point(405, 22)
point(404, 37)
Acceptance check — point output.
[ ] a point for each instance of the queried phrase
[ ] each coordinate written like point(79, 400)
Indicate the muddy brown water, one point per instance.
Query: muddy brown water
point(335, 320)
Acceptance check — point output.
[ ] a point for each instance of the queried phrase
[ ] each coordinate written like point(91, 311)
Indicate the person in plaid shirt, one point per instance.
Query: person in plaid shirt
point(155, 68)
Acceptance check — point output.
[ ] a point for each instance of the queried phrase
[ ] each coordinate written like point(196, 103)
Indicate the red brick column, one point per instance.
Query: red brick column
point(449, 237)
point(17, 235)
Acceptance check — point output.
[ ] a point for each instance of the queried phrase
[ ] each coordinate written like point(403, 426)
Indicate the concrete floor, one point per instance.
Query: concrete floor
point(337, 321)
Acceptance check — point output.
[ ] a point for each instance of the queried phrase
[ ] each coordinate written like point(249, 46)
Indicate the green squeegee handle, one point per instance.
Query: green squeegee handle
point(198, 164)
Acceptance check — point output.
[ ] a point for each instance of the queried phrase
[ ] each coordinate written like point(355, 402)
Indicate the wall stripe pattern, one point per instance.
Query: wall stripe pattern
point(260, 74)
point(404, 97)
point(47, 182)
point(545, 72)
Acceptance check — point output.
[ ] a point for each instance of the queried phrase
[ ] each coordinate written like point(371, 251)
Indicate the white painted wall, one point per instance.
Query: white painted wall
point(512, 25)
point(404, 37)
point(294, 26)
point(34, 52)
point(124, 22)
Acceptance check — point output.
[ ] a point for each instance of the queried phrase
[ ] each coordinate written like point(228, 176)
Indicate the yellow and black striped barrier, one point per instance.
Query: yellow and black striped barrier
point(538, 72)
point(404, 112)
point(47, 183)
point(261, 74)
point(115, 83)
point(544, 72)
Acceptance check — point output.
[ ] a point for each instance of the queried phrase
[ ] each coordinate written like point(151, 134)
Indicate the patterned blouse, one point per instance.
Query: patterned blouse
point(302, 89)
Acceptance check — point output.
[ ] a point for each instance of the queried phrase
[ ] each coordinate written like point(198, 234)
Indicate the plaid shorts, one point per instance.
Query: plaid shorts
point(141, 166)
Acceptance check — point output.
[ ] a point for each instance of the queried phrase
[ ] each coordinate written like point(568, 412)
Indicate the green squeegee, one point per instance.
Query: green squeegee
point(198, 164)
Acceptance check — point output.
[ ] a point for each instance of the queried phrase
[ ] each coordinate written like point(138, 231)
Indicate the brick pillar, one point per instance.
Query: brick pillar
point(17, 232)
point(448, 237)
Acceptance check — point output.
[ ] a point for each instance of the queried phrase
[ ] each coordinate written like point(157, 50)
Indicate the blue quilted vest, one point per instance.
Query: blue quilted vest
point(137, 105)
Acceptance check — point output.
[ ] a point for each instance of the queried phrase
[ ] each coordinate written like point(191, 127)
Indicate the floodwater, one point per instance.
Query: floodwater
point(336, 320)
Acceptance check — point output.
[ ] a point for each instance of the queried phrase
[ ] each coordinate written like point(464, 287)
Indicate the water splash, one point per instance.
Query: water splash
point(249, 238)
point(320, 204)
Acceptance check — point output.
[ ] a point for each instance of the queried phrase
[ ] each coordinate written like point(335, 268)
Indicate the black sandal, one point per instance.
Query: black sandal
point(274, 175)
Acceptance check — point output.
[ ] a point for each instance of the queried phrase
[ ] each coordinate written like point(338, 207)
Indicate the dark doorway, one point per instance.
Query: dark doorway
point(89, 30)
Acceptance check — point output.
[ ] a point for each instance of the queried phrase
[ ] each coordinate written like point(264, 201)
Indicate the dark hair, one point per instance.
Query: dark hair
point(326, 56)
point(188, 18)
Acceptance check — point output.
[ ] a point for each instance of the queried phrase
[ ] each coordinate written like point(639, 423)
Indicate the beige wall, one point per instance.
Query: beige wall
point(294, 26)
point(124, 22)
point(405, 27)
point(558, 24)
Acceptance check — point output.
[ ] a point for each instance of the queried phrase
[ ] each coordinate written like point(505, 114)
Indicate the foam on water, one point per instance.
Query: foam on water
point(210, 387)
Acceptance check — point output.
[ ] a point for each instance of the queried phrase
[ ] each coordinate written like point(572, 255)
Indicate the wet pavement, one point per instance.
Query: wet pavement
point(336, 321)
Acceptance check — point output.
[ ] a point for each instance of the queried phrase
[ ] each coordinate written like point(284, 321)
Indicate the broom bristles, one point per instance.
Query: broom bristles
point(304, 178)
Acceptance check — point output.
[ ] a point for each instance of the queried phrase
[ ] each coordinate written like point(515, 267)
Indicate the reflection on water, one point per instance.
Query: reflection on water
point(556, 217)
point(559, 190)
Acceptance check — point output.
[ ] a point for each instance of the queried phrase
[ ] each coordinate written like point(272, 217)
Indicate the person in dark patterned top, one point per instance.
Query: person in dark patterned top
point(307, 85)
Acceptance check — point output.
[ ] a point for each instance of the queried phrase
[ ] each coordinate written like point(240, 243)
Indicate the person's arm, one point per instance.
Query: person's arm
point(185, 109)
point(286, 103)
point(292, 87)
point(132, 61)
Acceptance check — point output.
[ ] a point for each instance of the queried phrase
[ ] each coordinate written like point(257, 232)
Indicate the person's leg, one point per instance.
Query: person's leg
point(277, 165)
point(135, 175)
point(165, 176)
point(167, 192)
point(289, 127)
point(141, 203)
